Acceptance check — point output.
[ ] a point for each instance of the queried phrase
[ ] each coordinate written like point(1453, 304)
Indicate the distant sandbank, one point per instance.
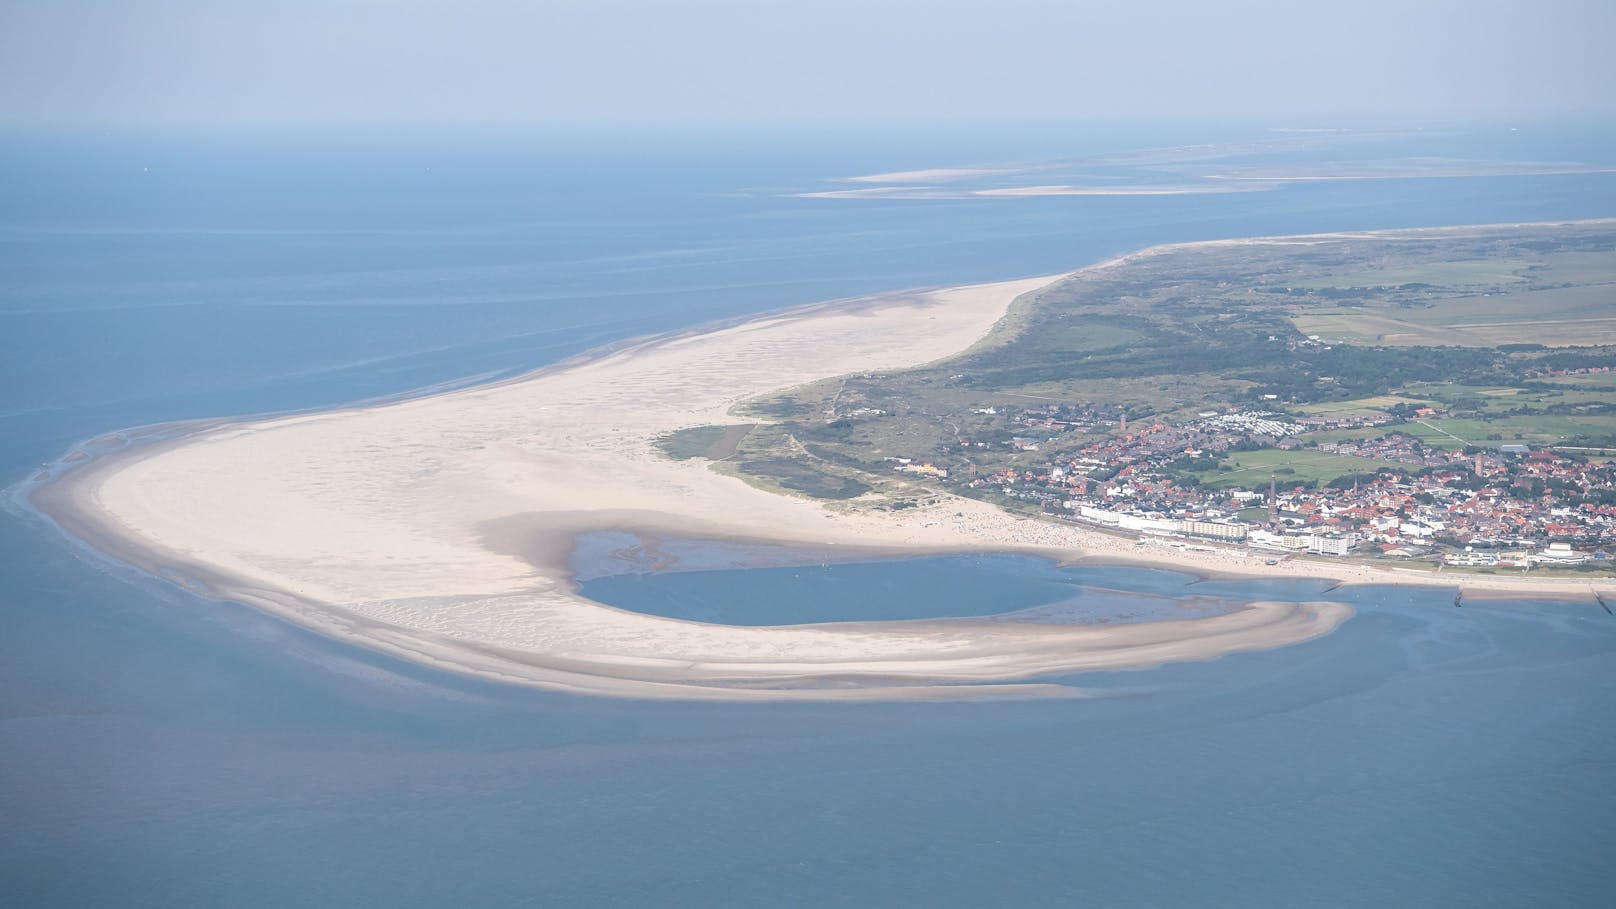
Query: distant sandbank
point(946, 192)
point(438, 528)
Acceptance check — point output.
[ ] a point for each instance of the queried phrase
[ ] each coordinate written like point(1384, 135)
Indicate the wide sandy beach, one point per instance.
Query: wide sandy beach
point(438, 528)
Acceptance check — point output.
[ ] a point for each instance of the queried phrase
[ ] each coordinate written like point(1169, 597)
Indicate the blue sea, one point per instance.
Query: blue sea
point(161, 750)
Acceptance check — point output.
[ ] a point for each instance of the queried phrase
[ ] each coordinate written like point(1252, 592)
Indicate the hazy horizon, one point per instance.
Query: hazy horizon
point(346, 347)
point(504, 63)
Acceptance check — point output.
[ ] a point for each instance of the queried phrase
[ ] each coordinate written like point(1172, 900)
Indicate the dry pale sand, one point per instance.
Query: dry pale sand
point(935, 174)
point(437, 528)
point(1140, 190)
point(944, 192)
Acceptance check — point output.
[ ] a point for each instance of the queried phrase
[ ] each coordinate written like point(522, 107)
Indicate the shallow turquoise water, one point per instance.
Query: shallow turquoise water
point(159, 750)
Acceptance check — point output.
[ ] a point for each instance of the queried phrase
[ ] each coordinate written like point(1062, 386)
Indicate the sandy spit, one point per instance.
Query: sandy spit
point(436, 528)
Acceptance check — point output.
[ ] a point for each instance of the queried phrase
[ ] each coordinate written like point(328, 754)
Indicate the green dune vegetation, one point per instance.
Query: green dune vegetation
point(1177, 333)
point(1201, 370)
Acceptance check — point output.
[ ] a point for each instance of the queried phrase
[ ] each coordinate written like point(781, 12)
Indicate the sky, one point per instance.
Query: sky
point(504, 62)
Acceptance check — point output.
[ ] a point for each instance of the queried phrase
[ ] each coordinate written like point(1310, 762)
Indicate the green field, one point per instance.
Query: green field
point(1516, 294)
point(1360, 405)
point(1474, 272)
point(1605, 381)
point(1251, 469)
point(1544, 429)
point(1344, 435)
point(1498, 399)
point(1554, 316)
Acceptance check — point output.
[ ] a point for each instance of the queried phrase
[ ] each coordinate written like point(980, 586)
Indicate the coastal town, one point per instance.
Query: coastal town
point(1437, 404)
point(1392, 495)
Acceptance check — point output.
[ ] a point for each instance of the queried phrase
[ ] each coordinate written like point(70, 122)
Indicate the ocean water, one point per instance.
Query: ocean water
point(161, 750)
